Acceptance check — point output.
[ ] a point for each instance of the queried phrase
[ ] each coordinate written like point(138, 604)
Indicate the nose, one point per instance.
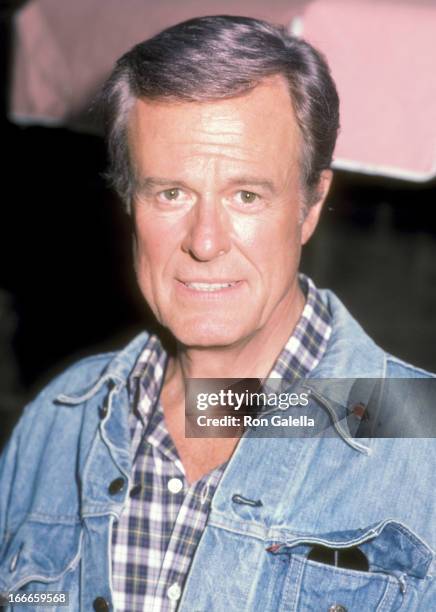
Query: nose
point(208, 232)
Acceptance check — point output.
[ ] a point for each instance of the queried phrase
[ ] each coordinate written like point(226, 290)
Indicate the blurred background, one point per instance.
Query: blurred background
point(67, 287)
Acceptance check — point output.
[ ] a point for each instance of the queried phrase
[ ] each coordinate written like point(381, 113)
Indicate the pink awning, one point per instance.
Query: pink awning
point(383, 58)
point(65, 49)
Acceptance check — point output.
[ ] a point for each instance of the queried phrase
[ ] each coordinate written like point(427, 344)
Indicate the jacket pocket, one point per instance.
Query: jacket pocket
point(40, 554)
point(398, 563)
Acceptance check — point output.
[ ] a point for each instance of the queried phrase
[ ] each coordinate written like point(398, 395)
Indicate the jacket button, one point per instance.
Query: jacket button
point(337, 608)
point(100, 605)
point(116, 486)
point(360, 412)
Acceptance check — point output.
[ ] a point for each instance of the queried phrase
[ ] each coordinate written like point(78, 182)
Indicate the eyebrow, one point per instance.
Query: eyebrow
point(253, 182)
point(148, 183)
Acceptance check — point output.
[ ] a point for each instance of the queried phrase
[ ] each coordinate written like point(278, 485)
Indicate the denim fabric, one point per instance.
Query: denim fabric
point(56, 510)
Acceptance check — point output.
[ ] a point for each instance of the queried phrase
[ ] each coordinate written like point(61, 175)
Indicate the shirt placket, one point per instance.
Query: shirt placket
point(170, 484)
point(189, 523)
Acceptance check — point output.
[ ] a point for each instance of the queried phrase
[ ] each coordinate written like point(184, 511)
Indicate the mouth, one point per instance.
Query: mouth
point(208, 287)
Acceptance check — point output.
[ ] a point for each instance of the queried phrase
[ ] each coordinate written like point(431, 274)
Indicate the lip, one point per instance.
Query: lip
point(223, 287)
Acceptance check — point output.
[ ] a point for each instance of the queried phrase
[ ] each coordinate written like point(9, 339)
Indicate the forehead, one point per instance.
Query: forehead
point(258, 127)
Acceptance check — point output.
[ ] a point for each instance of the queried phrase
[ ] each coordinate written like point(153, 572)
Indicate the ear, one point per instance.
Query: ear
point(312, 215)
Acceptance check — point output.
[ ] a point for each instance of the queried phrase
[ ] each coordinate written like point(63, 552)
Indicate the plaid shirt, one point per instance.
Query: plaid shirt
point(156, 537)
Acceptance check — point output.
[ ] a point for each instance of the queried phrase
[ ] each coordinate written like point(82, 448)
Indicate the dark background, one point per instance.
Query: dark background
point(67, 287)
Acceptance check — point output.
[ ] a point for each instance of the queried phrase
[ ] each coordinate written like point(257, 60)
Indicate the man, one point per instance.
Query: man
point(221, 132)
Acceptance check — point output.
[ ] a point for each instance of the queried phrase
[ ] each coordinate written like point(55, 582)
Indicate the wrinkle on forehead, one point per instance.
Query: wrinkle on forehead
point(220, 117)
point(257, 128)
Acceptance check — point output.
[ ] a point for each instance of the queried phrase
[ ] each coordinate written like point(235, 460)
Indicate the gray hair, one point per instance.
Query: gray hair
point(218, 57)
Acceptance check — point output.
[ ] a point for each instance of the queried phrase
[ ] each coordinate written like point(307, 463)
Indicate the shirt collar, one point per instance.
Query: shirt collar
point(308, 342)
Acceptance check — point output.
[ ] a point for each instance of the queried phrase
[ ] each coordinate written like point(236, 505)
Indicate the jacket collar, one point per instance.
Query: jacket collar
point(116, 373)
point(347, 375)
point(351, 353)
point(345, 380)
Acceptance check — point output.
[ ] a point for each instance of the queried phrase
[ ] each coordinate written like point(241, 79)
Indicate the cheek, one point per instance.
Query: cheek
point(150, 258)
point(248, 231)
point(272, 244)
point(154, 243)
point(147, 248)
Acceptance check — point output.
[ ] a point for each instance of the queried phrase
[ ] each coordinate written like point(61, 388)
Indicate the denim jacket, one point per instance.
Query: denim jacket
point(278, 498)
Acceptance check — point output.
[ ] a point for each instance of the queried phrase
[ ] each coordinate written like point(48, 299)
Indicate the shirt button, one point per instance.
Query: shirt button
point(175, 485)
point(100, 604)
point(337, 608)
point(116, 486)
point(174, 592)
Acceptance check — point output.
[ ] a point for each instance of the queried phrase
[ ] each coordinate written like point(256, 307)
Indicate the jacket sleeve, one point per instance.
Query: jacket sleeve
point(8, 466)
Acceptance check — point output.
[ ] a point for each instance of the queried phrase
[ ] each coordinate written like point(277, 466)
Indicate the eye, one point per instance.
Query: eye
point(170, 194)
point(247, 197)
point(174, 197)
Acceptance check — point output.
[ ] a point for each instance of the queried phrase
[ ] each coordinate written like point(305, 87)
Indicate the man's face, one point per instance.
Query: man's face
point(217, 211)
